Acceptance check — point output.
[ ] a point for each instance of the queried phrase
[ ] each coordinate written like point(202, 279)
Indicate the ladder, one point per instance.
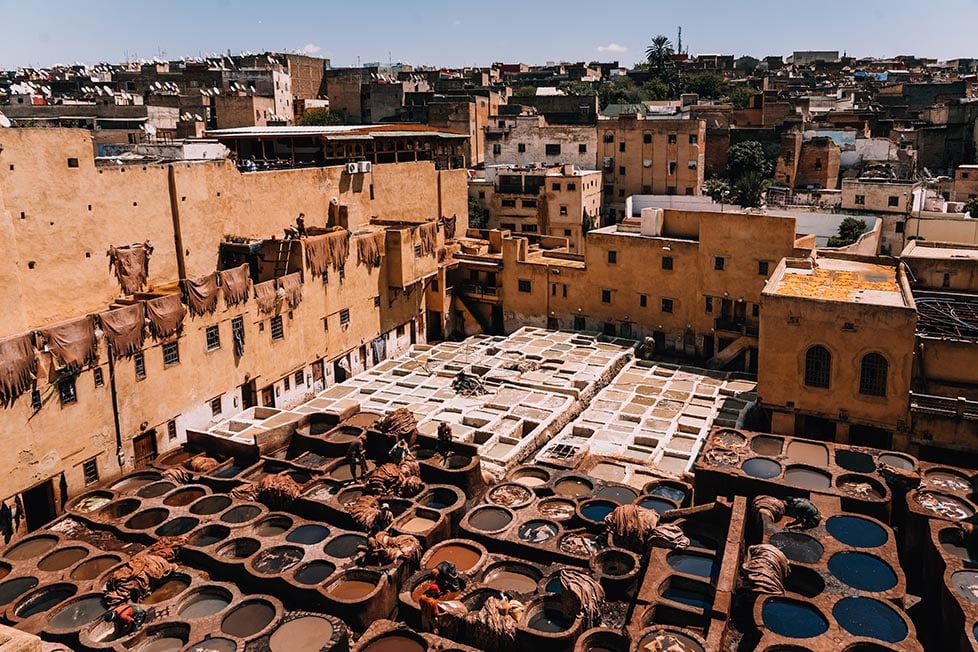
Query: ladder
point(282, 257)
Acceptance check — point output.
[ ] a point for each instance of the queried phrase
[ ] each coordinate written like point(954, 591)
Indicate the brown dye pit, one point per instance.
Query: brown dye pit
point(489, 519)
point(177, 526)
point(62, 559)
point(78, 613)
point(241, 514)
point(215, 645)
point(509, 494)
point(948, 481)
point(512, 578)
point(764, 445)
point(531, 477)
point(156, 489)
point(860, 486)
point(171, 588)
point(209, 535)
point(344, 546)
point(462, 556)
point(94, 567)
point(305, 634)
point(557, 509)
point(273, 527)
point(897, 461)
point(396, 643)
point(162, 644)
point(147, 519)
point(573, 487)
point(278, 559)
point(31, 548)
point(239, 549)
point(248, 619)
point(798, 476)
point(135, 481)
point(210, 505)
point(416, 525)
point(803, 452)
point(944, 505)
point(183, 497)
point(609, 472)
point(119, 508)
point(93, 501)
point(204, 603)
point(351, 589)
point(314, 572)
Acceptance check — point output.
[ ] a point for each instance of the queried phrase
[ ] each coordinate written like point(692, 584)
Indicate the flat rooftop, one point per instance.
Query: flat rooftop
point(833, 279)
point(940, 251)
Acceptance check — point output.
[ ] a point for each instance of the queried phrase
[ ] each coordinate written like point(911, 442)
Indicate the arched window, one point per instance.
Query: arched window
point(818, 366)
point(872, 375)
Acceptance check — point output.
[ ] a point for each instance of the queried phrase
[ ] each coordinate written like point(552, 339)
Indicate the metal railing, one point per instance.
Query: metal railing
point(959, 407)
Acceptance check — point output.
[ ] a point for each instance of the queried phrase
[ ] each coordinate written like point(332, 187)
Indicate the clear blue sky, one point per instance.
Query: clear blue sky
point(465, 33)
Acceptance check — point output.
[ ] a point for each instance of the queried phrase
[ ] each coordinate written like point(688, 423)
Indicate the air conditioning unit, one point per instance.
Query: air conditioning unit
point(365, 166)
point(352, 168)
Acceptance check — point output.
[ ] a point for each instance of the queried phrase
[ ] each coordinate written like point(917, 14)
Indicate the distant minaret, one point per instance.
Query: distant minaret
point(679, 46)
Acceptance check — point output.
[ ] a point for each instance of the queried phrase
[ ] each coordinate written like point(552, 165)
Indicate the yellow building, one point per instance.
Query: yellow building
point(105, 414)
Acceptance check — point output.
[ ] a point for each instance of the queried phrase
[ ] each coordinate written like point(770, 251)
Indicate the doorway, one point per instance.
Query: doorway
point(39, 508)
point(268, 396)
point(249, 395)
point(144, 448)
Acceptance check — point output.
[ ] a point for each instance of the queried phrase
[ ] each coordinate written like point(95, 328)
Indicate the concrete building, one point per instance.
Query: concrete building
point(808, 163)
point(893, 196)
point(837, 350)
point(645, 155)
point(528, 138)
point(560, 201)
point(965, 183)
point(109, 413)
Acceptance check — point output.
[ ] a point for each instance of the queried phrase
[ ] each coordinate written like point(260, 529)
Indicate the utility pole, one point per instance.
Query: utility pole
point(679, 45)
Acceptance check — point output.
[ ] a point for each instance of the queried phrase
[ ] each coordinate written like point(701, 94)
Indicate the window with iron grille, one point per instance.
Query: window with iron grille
point(612, 257)
point(605, 296)
point(818, 366)
point(278, 330)
point(377, 301)
point(66, 390)
point(171, 353)
point(417, 251)
point(287, 383)
point(762, 267)
point(36, 402)
point(709, 304)
point(216, 407)
point(643, 300)
point(345, 317)
point(139, 362)
point(90, 471)
point(237, 333)
point(299, 378)
point(99, 378)
point(553, 149)
point(667, 305)
point(718, 263)
point(171, 429)
point(872, 375)
point(212, 335)
point(524, 285)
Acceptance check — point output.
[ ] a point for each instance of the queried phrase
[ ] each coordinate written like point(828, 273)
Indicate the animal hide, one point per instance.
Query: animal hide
point(370, 249)
point(428, 237)
point(131, 266)
point(292, 285)
point(266, 297)
point(235, 284)
point(165, 315)
point(201, 294)
point(125, 329)
point(72, 344)
point(18, 365)
point(450, 223)
point(339, 248)
point(765, 569)
point(581, 593)
point(317, 254)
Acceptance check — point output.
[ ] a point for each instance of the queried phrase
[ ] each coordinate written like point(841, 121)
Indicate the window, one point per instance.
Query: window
point(892, 200)
point(579, 323)
point(529, 203)
point(605, 296)
point(66, 390)
point(140, 364)
point(552, 149)
point(609, 329)
point(899, 227)
point(694, 139)
point(667, 262)
point(643, 300)
point(609, 137)
point(755, 310)
point(417, 251)
point(563, 210)
point(528, 228)
point(215, 406)
point(689, 190)
point(762, 267)
point(625, 330)
point(213, 336)
point(434, 288)
point(553, 289)
point(278, 331)
point(818, 164)
point(507, 226)
point(287, 383)
point(818, 366)
point(709, 304)
point(521, 148)
point(946, 281)
point(671, 190)
point(872, 375)
point(691, 164)
point(482, 194)
point(508, 203)
point(237, 334)
point(582, 148)
point(565, 290)
point(718, 263)
point(646, 190)
point(572, 186)
point(647, 138)
point(612, 257)
point(621, 193)
point(36, 402)
point(672, 139)
point(171, 429)
point(497, 149)
point(964, 175)
point(377, 298)
point(345, 317)
point(672, 168)
point(72, 162)
point(667, 305)
point(171, 353)
point(555, 187)
point(99, 378)
point(860, 200)
point(567, 232)
point(523, 285)
point(608, 189)
point(621, 146)
point(90, 471)
point(621, 170)
point(399, 332)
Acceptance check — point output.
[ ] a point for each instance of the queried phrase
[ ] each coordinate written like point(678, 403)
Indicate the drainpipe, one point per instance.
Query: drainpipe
point(175, 215)
point(120, 454)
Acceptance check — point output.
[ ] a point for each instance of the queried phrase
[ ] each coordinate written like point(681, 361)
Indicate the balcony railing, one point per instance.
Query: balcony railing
point(960, 408)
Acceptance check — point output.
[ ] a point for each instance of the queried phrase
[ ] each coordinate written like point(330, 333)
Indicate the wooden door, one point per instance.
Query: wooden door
point(144, 448)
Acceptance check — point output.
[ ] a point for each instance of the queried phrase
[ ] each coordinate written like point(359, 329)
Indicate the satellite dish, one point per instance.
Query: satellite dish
point(4, 121)
point(150, 129)
point(199, 119)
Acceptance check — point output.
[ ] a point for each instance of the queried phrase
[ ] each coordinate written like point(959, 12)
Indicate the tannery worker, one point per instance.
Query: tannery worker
point(444, 438)
point(126, 617)
point(356, 458)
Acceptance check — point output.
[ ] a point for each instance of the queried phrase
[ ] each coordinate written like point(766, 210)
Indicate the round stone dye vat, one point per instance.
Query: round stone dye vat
point(62, 559)
point(660, 505)
point(91, 501)
point(464, 555)
point(512, 577)
point(856, 531)
point(304, 634)
point(353, 586)
point(947, 480)
point(855, 461)
point(170, 588)
point(134, 481)
point(862, 571)
point(30, 548)
point(94, 567)
point(617, 494)
point(184, 497)
point(804, 477)
point(313, 573)
point(897, 461)
point(344, 546)
point(204, 602)
point(804, 581)
point(537, 531)
point(530, 476)
point(548, 616)
point(163, 643)
point(308, 534)
point(860, 486)
point(767, 445)
point(396, 643)
point(602, 640)
point(582, 544)
point(806, 452)
point(13, 589)
point(596, 510)
point(273, 526)
point(944, 505)
point(557, 509)
point(966, 584)
point(573, 487)
point(490, 519)
point(692, 563)
point(958, 546)
point(155, 489)
point(510, 494)
point(793, 619)
point(248, 618)
point(669, 639)
point(78, 613)
point(117, 509)
point(210, 505)
point(177, 526)
point(209, 535)
point(798, 547)
point(438, 498)
point(761, 467)
point(215, 645)
point(148, 518)
point(871, 618)
point(239, 548)
point(277, 560)
point(241, 514)
point(672, 492)
point(44, 599)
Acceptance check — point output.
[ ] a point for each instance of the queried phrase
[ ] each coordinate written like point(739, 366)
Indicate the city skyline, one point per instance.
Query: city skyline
point(447, 34)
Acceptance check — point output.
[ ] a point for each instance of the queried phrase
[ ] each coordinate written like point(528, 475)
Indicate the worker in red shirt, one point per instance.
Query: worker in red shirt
point(127, 618)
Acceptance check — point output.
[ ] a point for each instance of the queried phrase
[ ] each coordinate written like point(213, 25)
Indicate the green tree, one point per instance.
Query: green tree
point(478, 215)
point(587, 222)
point(718, 189)
point(740, 96)
point(745, 158)
point(525, 91)
point(577, 88)
point(659, 53)
point(749, 189)
point(971, 207)
point(655, 90)
point(320, 117)
point(746, 64)
point(849, 231)
point(706, 84)
point(621, 90)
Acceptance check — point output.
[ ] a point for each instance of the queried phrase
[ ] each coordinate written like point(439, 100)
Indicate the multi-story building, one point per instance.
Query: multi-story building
point(647, 155)
point(528, 138)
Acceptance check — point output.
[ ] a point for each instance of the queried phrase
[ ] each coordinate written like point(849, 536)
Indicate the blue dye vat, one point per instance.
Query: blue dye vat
point(798, 547)
point(871, 618)
point(856, 532)
point(553, 586)
point(793, 619)
point(657, 504)
point(597, 511)
point(761, 467)
point(855, 461)
point(615, 493)
point(862, 571)
point(693, 564)
point(689, 597)
point(671, 493)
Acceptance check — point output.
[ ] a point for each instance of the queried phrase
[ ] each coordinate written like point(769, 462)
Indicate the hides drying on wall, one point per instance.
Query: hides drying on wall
point(201, 294)
point(165, 315)
point(131, 265)
point(18, 365)
point(72, 343)
point(124, 328)
point(235, 284)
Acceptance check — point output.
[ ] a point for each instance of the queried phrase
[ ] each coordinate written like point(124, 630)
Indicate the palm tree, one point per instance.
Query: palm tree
point(659, 53)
